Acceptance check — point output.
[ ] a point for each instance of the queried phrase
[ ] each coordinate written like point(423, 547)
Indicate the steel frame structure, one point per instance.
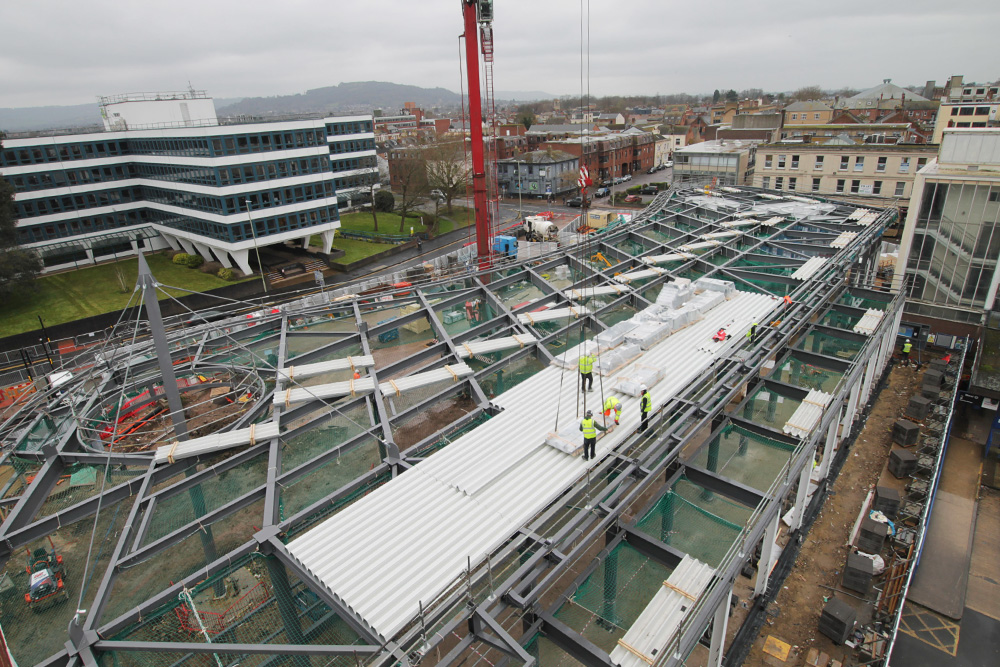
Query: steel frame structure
point(483, 610)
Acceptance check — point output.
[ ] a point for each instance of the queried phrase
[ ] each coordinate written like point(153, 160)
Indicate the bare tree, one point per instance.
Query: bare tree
point(448, 169)
point(808, 93)
point(410, 183)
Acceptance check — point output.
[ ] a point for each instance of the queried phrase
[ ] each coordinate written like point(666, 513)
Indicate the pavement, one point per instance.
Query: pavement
point(957, 626)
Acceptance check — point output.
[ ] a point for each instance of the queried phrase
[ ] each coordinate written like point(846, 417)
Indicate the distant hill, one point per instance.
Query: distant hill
point(356, 96)
point(523, 95)
point(29, 119)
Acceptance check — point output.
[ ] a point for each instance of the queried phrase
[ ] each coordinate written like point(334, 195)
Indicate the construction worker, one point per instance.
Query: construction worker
point(788, 301)
point(590, 429)
point(720, 335)
point(753, 332)
point(357, 375)
point(645, 406)
point(905, 354)
point(612, 403)
point(586, 372)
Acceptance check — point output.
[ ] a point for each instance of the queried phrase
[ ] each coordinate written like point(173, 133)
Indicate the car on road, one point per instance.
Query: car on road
point(438, 195)
point(649, 190)
point(633, 198)
point(668, 164)
point(626, 177)
point(577, 202)
point(602, 192)
point(652, 170)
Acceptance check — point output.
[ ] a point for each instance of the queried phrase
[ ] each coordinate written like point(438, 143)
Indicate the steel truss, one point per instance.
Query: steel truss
point(504, 613)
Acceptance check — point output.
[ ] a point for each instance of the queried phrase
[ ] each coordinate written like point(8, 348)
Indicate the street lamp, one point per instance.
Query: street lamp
point(253, 231)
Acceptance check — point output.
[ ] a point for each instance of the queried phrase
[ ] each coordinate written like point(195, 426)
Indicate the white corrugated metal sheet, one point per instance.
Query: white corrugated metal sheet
point(598, 290)
point(771, 197)
point(869, 322)
point(366, 384)
point(651, 272)
point(553, 314)
point(809, 269)
point(472, 348)
point(216, 442)
point(842, 240)
point(804, 200)
point(669, 257)
point(407, 541)
point(719, 235)
point(308, 370)
point(740, 223)
point(699, 245)
point(807, 415)
point(868, 218)
point(858, 213)
point(771, 222)
point(659, 621)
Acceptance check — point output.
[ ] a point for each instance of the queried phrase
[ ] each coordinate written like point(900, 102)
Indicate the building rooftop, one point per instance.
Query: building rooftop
point(719, 146)
point(886, 91)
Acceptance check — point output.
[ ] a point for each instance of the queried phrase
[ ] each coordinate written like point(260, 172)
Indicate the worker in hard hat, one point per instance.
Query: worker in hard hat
point(720, 335)
point(905, 354)
point(586, 372)
point(590, 428)
point(645, 406)
point(752, 333)
point(613, 404)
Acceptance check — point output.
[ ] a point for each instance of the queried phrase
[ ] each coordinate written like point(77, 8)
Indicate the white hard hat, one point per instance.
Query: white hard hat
point(907, 340)
point(643, 387)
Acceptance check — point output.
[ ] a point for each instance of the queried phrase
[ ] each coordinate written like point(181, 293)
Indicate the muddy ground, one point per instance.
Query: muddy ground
point(800, 602)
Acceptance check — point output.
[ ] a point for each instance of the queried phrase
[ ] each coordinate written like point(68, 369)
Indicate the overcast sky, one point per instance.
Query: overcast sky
point(67, 52)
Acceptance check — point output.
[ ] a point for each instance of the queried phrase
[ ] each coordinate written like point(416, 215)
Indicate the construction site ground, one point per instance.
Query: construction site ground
point(793, 617)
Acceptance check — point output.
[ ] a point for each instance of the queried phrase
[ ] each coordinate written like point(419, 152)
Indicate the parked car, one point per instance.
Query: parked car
point(649, 190)
point(668, 164)
point(577, 202)
point(437, 194)
point(602, 192)
point(633, 198)
point(626, 177)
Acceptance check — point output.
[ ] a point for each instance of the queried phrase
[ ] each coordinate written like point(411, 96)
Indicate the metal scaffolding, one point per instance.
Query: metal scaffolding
point(190, 564)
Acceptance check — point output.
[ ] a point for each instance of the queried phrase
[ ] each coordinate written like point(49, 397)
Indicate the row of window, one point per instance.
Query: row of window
point(352, 127)
point(80, 202)
point(970, 111)
point(263, 226)
point(804, 116)
point(856, 187)
point(356, 181)
point(65, 177)
point(352, 146)
point(239, 144)
point(348, 164)
point(207, 203)
point(881, 164)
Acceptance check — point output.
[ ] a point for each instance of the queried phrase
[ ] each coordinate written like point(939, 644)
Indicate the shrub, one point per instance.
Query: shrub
point(181, 258)
point(194, 261)
point(634, 190)
point(225, 274)
point(384, 201)
point(210, 267)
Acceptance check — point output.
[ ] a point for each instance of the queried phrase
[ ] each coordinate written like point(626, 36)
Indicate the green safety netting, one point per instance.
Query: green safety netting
point(840, 320)
point(548, 654)
point(744, 456)
point(855, 301)
point(808, 376)
point(332, 475)
point(769, 407)
point(831, 345)
point(79, 482)
point(248, 602)
point(696, 521)
point(606, 605)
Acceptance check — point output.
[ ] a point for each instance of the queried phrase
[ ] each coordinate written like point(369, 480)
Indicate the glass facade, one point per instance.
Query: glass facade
point(956, 241)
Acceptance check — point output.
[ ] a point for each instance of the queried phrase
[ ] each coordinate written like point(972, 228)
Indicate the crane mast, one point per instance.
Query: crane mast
point(478, 14)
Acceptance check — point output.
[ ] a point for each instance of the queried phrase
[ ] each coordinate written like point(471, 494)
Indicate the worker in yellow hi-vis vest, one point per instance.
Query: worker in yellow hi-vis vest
point(586, 372)
point(590, 428)
point(612, 403)
point(645, 406)
point(905, 354)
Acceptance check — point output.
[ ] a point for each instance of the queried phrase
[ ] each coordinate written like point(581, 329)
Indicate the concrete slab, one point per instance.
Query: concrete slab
point(942, 575)
point(976, 643)
point(984, 571)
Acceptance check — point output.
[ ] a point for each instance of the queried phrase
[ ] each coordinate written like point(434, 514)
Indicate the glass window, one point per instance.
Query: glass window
point(840, 185)
point(815, 185)
point(779, 182)
point(819, 162)
point(855, 187)
point(781, 162)
point(767, 162)
point(859, 163)
point(767, 183)
point(877, 188)
point(900, 186)
point(904, 165)
point(795, 162)
point(881, 163)
point(792, 182)
point(845, 161)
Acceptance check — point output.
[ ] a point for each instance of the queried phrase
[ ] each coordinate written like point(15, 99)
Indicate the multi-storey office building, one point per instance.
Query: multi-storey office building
point(196, 184)
point(951, 239)
point(879, 171)
point(729, 162)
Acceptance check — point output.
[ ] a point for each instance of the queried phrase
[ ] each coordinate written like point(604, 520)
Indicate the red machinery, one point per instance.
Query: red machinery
point(478, 15)
point(45, 578)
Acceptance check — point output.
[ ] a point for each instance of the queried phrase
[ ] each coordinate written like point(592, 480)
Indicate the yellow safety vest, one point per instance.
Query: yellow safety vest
point(586, 363)
point(611, 403)
point(907, 347)
point(589, 430)
point(647, 402)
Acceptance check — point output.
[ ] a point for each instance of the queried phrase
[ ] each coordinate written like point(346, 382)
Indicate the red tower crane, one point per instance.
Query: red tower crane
point(478, 13)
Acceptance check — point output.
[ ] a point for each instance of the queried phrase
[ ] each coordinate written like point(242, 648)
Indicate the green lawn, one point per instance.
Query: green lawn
point(64, 297)
point(356, 249)
point(388, 223)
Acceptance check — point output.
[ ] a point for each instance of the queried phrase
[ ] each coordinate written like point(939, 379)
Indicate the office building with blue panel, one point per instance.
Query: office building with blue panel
point(166, 172)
